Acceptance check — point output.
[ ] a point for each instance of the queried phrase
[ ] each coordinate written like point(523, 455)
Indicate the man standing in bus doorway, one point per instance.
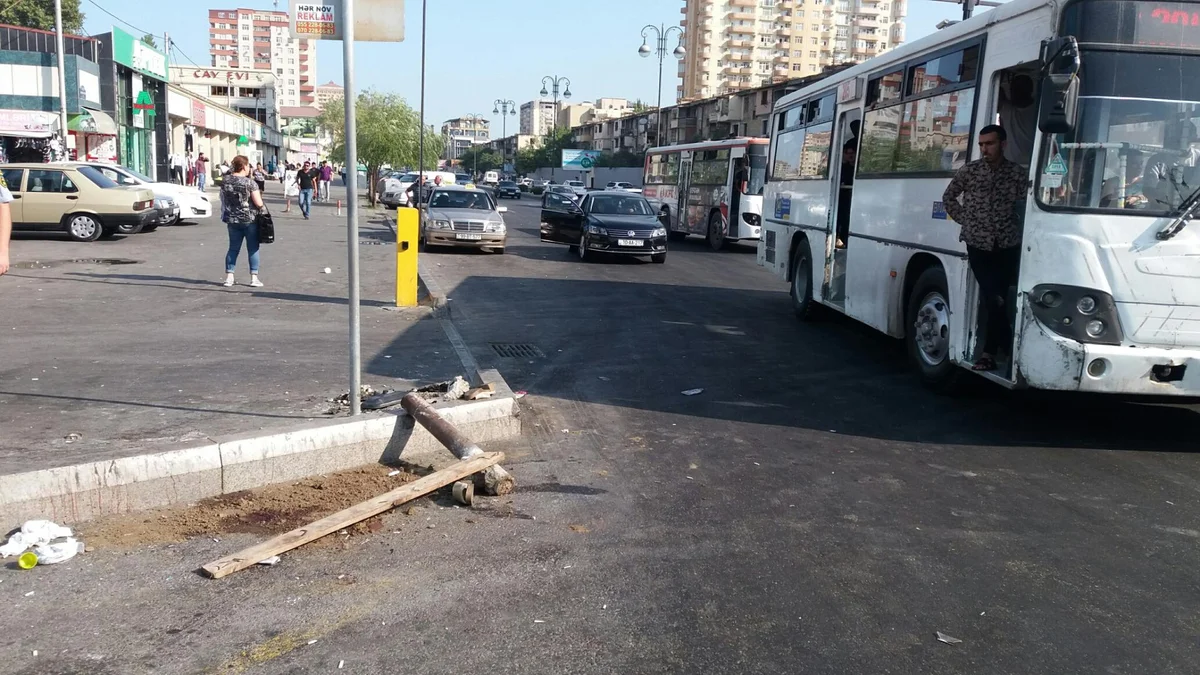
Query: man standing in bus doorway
point(990, 189)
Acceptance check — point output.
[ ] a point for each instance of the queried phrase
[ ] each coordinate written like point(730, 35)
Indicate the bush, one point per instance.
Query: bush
point(538, 190)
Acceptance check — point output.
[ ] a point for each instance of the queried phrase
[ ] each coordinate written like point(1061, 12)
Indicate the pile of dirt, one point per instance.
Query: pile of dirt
point(269, 510)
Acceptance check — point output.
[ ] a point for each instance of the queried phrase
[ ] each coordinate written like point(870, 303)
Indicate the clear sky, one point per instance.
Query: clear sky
point(478, 50)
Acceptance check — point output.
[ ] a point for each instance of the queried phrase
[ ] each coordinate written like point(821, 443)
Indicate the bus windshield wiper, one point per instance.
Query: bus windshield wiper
point(1182, 215)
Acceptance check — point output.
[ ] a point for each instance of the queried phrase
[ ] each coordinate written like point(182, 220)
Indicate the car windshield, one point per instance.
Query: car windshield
point(407, 178)
point(507, 184)
point(460, 199)
point(1136, 144)
point(96, 176)
point(575, 183)
point(632, 205)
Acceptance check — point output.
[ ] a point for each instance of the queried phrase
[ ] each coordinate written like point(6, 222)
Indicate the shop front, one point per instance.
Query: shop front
point(29, 136)
point(95, 134)
point(137, 102)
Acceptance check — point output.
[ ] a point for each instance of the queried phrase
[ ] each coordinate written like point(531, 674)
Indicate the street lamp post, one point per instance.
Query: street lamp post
point(661, 36)
point(554, 81)
point(504, 107)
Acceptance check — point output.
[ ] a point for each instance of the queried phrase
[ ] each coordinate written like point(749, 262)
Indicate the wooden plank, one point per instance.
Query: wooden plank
point(346, 517)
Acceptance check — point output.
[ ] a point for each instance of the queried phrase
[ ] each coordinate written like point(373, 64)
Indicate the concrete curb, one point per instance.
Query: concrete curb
point(71, 494)
point(437, 295)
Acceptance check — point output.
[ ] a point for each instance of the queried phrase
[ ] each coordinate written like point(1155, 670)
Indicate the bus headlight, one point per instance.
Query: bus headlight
point(1082, 314)
point(752, 219)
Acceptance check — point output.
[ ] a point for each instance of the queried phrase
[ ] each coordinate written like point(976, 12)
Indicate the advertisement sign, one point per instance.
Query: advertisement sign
point(198, 117)
point(26, 123)
point(137, 55)
point(374, 20)
point(580, 160)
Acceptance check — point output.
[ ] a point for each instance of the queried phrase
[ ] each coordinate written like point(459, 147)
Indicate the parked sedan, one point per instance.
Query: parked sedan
point(77, 199)
point(562, 190)
point(610, 222)
point(622, 185)
point(192, 202)
point(507, 188)
point(463, 217)
point(578, 186)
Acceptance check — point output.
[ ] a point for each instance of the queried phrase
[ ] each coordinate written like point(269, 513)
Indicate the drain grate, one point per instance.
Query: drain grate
point(522, 350)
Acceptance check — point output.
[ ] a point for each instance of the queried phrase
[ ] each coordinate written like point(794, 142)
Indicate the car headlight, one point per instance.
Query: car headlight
point(497, 228)
point(440, 224)
point(1078, 313)
point(596, 229)
point(660, 232)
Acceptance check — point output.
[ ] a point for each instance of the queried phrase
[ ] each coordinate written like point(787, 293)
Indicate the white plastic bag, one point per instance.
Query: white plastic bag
point(33, 533)
point(49, 554)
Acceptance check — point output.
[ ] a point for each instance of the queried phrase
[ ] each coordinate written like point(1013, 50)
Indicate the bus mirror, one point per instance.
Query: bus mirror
point(1060, 85)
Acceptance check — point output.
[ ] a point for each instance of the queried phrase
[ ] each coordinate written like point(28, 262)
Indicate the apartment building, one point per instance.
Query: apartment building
point(330, 91)
point(741, 44)
point(461, 133)
point(251, 39)
point(538, 117)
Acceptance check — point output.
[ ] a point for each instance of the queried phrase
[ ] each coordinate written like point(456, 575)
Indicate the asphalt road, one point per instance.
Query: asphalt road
point(812, 511)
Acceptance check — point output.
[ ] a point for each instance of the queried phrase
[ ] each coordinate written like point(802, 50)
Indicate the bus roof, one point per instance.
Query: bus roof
point(741, 141)
point(946, 36)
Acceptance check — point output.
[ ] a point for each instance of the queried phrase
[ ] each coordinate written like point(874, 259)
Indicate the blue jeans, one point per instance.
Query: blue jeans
point(200, 179)
point(306, 201)
point(237, 233)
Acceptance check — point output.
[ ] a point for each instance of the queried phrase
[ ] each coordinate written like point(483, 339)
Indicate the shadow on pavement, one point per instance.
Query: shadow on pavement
point(639, 345)
point(155, 406)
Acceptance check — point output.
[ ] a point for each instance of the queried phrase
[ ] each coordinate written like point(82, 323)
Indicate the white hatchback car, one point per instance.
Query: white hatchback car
point(193, 204)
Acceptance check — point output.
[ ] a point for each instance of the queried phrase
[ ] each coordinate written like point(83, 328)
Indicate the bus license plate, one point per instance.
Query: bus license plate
point(469, 237)
point(629, 242)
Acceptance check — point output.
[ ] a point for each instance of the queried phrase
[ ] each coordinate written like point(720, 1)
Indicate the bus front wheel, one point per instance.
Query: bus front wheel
point(716, 231)
point(801, 290)
point(928, 331)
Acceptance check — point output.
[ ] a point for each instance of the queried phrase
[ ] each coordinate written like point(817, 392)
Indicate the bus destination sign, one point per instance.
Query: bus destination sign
point(1132, 22)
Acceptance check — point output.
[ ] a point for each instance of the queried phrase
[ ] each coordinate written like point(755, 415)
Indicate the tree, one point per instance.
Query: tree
point(639, 107)
point(389, 132)
point(39, 14)
point(149, 40)
point(480, 158)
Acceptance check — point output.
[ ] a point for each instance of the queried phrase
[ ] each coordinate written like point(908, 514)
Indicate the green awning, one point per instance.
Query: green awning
point(93, 122)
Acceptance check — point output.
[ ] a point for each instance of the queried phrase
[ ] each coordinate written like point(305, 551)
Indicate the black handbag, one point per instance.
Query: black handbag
point(266, 227)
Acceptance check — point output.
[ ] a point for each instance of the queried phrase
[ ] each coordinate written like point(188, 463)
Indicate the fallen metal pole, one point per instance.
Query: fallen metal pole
point(496, 480)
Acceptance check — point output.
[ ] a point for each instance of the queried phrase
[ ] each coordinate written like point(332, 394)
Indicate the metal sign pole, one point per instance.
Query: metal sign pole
point(352, 206)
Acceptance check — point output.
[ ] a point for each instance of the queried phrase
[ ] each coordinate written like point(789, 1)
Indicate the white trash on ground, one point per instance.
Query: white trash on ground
point(40, 535)
point(692, 392)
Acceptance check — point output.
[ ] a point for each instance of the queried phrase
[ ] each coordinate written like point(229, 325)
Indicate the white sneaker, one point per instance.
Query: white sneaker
point(255, 282)
point(228, 280)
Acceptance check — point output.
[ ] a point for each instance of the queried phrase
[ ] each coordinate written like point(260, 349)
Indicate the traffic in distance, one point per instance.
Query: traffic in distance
point(1019, 213)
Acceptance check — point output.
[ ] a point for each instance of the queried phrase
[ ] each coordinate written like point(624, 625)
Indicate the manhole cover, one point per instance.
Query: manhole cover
point(522, 350)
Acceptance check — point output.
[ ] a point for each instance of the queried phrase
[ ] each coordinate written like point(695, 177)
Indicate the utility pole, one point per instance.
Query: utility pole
point(352, 208)
point(662, 35)
point(62, 75)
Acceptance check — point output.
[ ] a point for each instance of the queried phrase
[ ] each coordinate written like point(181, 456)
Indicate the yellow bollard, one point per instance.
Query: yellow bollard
point(407, 235)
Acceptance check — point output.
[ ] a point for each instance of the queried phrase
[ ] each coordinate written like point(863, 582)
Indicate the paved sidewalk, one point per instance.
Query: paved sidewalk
point(157, 354)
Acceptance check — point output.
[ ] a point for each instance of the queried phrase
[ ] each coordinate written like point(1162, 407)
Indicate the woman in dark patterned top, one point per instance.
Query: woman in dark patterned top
point(240, 202)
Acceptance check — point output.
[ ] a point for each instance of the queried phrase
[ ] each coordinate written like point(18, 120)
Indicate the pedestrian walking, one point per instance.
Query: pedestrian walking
point(241, 201)
point(201, 171)
point(326, 179)
point(260, 177)
point(189, 169)
point(176, 163)
point(290, 187)
point(306, 178)
point(990, 188)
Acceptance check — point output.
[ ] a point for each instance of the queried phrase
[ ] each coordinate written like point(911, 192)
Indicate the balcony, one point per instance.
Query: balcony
point(747, 58)
point(744, 30)
point(736, 15)
point(784, 32)
point(736, 70)
point(734, 43)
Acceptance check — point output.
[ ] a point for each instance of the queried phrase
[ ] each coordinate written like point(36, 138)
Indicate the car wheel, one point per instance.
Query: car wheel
point(659, 257)
point(581, 249)
point(82, 227)
point(928, 332)
point(130, 229)
point(801, 287)
point(149, 228)
point(716, 232)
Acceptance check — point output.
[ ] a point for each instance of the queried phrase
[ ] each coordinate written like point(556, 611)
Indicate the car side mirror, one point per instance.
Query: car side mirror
point(501, 209)
point(1060, 86)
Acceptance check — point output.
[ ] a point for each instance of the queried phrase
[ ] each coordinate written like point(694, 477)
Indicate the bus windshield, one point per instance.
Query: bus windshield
point(1136, 144)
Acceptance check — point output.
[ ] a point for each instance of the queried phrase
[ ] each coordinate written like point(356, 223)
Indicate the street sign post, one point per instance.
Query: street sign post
point(337, 20)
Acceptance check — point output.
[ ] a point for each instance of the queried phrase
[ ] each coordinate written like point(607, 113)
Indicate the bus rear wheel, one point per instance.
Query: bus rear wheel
point(801, 288)
point(716, 231)
point(927, 332)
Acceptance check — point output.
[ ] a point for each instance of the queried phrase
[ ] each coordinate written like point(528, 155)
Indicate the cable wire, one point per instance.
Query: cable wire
point(143, 32)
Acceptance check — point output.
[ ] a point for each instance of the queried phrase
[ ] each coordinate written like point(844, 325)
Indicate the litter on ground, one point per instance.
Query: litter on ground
point(942, 637)
point(692, 392)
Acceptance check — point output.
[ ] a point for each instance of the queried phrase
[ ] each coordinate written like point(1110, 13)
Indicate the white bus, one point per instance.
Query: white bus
point(1108, 294)
point(697, 186)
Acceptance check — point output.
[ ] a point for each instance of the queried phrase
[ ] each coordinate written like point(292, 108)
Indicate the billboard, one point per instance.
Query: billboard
point(580, 160)
point(374, 20)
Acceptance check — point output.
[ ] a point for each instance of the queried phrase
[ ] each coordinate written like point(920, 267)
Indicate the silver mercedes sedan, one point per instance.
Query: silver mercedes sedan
point(463, 217)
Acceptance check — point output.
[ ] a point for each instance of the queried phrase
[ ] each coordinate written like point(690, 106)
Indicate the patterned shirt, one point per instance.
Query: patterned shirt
point(987, 212)
point(5, 196)
point(237, 207)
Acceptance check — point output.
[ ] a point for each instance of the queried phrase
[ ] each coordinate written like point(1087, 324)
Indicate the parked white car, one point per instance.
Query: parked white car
point(193, 204)
point(393, 188)
point(577, 186)
point(622, 185)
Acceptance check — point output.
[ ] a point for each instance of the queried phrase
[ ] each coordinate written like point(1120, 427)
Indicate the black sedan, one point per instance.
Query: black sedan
point(507, 188)
point(609, 222)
